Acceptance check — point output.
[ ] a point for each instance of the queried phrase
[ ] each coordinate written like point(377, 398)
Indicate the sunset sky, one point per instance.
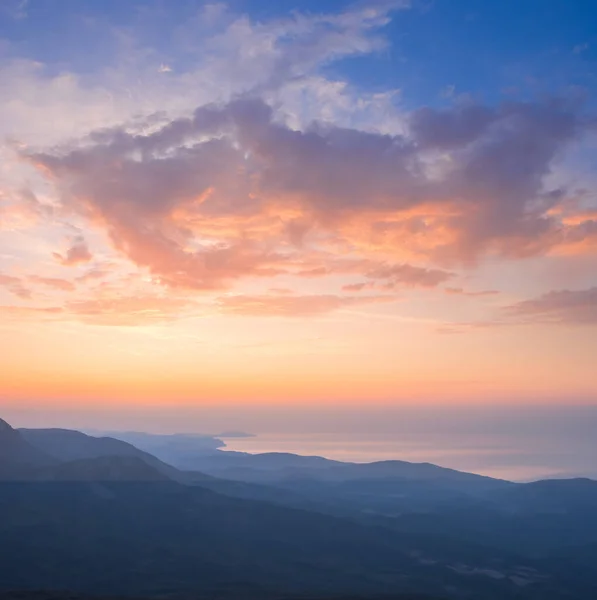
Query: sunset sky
point(297, 203)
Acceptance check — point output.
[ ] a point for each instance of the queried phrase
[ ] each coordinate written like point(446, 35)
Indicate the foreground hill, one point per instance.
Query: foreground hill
point(53, 595)
point(92, 531)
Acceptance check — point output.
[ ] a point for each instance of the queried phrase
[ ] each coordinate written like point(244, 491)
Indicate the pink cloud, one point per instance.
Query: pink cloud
point(77, 254)
point(231, 192)
point(560, 307)
point(56, 283)
point(15, 286)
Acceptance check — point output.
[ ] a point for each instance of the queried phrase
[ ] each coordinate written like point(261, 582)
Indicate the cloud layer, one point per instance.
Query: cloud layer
point(279, 172)
point(232, 191)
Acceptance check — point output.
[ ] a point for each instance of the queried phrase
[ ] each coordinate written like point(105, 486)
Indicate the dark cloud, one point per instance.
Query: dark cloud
point(450, 128)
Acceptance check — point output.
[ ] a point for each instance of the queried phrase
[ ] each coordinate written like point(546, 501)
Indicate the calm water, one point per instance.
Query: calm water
point(552, 446)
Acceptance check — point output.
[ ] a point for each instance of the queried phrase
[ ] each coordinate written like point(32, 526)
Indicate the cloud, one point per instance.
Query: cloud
point(55, 283)
point(404, 274)
point(555, 308)
point(256, 164)
point(561, 307)
point(21, 286)
point(158, 195)
point(127, 310)
point(30, 312)
point(290, 306)
point(226, 55)
point(458, 291)
point(21, 210)
point(266, 56)
point(384, 276)
point(580, 48)
point(15, 286)
point(16, 9)
point(147, 309)
point(77, 254)
point(124, 310)
point(93, 274)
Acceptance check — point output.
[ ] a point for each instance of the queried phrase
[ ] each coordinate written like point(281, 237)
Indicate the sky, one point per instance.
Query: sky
point(316, 204)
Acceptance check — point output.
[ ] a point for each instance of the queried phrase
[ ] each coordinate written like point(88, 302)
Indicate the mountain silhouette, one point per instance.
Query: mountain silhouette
point(17, 456)
point(68, 445)
point(103, 469)
point(97, 515)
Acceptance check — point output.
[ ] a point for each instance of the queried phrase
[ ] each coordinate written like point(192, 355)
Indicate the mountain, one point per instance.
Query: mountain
point(104, 535)
point(180, 450)
point(53, 595)
point(17, 456)
point(69, 445)
point(103, 469)
point(551, 496)
point(274, 467)
point(544, 519)
point(99, 515)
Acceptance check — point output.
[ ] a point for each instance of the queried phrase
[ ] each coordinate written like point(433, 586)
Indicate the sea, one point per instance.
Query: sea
point(524, 446)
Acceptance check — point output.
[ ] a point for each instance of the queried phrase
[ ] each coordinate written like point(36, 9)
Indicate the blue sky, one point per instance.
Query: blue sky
point(437, 49)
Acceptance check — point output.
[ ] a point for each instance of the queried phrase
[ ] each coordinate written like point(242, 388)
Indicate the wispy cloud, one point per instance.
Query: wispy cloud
point(559, 307)
point(291, 305)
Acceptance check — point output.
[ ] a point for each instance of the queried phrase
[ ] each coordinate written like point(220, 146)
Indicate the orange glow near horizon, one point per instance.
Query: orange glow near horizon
point(339, 360)
point(242, 233)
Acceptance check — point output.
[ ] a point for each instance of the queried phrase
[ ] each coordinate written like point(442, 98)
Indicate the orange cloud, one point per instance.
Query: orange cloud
point(231, 193)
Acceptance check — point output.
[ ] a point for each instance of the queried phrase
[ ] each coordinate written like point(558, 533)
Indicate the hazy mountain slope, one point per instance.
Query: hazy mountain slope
point(102, 469)
point(554, 496)
point(180, 450)
point(385, 488)
point(69, 445)
point(282, 467)
point(17, 455)
point(541, 519)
